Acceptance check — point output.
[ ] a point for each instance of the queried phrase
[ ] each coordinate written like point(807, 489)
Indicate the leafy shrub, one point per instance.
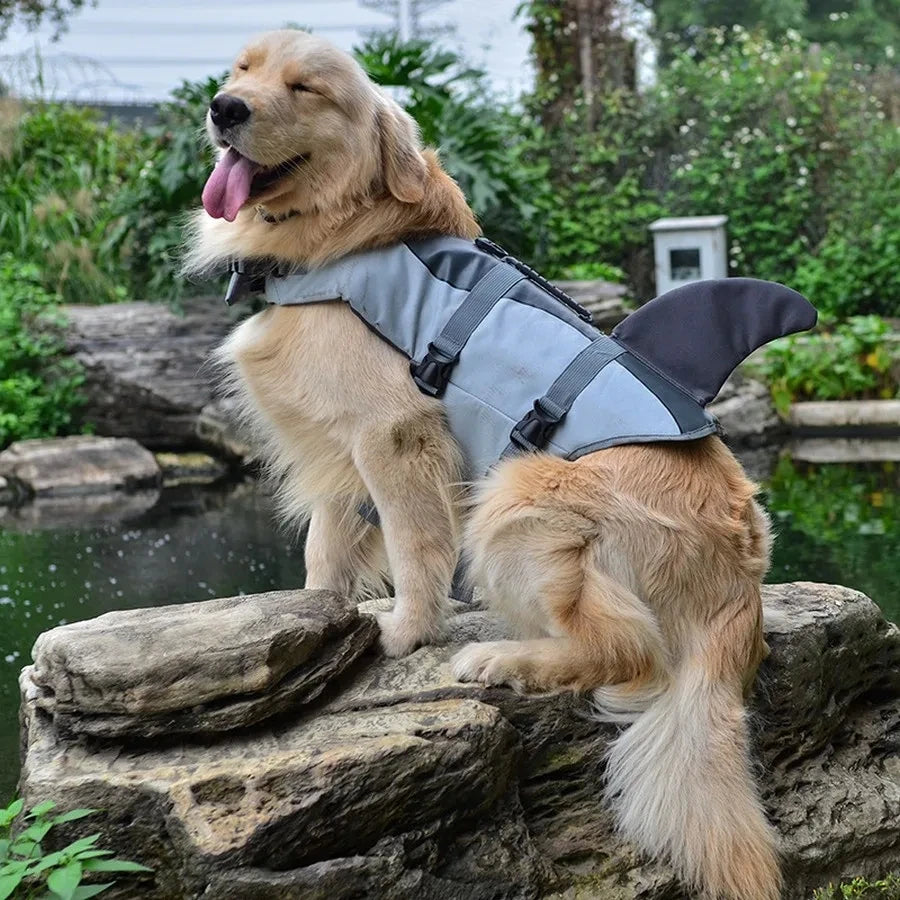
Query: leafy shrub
point(793, 143)
point(163, 182)
point(60, 169)
point(38, 389)
point(861, 889)
point(859, 358)
point(27, 872)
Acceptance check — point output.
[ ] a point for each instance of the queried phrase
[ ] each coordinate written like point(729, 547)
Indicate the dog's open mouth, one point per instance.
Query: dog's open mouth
point(236, 178)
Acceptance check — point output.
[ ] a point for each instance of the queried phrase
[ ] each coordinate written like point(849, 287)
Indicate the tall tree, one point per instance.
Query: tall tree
point(33, 12)
point(580, 53)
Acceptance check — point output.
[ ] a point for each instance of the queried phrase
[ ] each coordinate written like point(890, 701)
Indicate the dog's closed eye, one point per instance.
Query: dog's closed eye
point(301, 87)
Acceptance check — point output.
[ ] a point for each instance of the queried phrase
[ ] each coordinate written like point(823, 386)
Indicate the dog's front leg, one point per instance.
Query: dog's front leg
point(343, 551)
point(410, 467)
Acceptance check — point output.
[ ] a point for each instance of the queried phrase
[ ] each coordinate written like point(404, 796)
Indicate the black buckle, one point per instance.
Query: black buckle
point(534, 430)
point(249, 277)
point(432, 372)
point(245, 279)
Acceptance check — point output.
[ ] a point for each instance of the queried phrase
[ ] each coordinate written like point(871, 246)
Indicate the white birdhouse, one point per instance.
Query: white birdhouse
point(689, 249)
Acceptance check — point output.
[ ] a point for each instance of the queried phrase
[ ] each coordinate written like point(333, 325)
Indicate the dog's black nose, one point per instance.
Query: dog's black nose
point(227, 111)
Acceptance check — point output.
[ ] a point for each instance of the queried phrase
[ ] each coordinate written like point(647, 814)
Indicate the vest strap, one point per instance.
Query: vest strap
point(534, 430)
point(432, 372)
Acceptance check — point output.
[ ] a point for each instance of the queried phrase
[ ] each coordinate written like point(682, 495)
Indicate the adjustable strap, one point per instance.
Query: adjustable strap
point(248, 276)
point(534, 430)
point(432, 372)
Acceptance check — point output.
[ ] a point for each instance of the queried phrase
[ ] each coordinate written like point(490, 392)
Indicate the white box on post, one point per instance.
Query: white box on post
point(688, 249)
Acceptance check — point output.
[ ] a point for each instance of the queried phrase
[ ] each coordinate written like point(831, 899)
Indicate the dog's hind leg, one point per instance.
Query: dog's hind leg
point(410, 467)
point(601, 632)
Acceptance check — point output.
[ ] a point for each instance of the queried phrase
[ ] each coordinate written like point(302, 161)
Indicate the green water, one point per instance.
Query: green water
point(834, 523)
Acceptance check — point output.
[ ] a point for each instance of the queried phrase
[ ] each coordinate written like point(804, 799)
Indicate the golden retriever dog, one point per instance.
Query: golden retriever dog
point(632, 573)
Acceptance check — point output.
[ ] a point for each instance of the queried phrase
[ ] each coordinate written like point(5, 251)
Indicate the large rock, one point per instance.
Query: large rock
point(401, 783)
point(604, 300)
point(78, 466)
point(195, 667)
point(846, 415)
point(147, 372)
point(745, 409)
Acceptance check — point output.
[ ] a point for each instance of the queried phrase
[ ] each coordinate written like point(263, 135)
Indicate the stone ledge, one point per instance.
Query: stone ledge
point(401, 783)
point(205, 667)
point(79, 465)
point(832, 414)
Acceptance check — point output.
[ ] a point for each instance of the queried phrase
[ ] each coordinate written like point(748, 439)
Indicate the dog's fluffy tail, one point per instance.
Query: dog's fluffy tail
point(680, 784)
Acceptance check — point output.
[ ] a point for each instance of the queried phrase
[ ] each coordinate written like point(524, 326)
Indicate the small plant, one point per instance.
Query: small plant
point(38, 385)
point(858, 358)
point(27, 872)
point(860, 889)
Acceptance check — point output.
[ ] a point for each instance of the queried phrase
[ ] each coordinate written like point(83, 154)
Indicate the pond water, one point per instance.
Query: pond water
point(835, 523)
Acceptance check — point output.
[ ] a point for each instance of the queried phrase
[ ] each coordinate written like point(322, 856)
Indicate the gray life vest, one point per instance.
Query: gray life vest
point(518, 364)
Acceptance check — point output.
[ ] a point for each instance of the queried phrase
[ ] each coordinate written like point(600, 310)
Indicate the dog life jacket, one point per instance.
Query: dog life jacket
point(518, 364)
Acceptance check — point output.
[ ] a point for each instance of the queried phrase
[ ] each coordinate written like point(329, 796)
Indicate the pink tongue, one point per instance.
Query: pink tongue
point(228, 188)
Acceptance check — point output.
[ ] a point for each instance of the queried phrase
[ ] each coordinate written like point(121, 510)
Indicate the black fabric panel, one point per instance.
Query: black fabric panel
point(454, 260)
point(684, 409)
point(461, 264)
point(699, 333)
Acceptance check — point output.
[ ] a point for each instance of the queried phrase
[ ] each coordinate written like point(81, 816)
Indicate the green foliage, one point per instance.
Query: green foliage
point(60, 169)
point(790, 143)
point(33, 12)
point(27, 871)
point(163, 182)
point(38, 389)
point(861, 889)
point(859, 358)
point(868, 30)
point(795, 144)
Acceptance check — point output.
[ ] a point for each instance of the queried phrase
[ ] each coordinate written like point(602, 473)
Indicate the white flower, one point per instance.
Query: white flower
point(791, 122)
point(803, 170)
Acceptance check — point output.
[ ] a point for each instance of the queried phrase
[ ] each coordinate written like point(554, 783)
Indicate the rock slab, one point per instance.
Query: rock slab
point(79, 465)
point(745, 409)
point(147, 372)
point(399, 782)
point(192, 668)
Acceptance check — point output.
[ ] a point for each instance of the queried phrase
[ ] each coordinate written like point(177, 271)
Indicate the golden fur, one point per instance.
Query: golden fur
point(633, 573)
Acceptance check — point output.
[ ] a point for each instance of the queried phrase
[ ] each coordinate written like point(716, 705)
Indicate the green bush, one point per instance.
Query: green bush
point(38, 388)
point(861, 889)
point(60, 170)
point(858, 358)
point(163, 182)
point(794, 144)
point(27, 872)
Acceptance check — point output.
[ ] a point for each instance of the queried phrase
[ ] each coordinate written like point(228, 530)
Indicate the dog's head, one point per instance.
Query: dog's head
point(301, 126)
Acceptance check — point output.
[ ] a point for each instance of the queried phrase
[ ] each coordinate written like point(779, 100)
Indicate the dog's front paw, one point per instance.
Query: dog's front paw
point(401, 634)
point(491, 663)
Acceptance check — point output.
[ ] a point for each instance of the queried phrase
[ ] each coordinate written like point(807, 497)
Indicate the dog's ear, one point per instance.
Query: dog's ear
point(404, 167)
